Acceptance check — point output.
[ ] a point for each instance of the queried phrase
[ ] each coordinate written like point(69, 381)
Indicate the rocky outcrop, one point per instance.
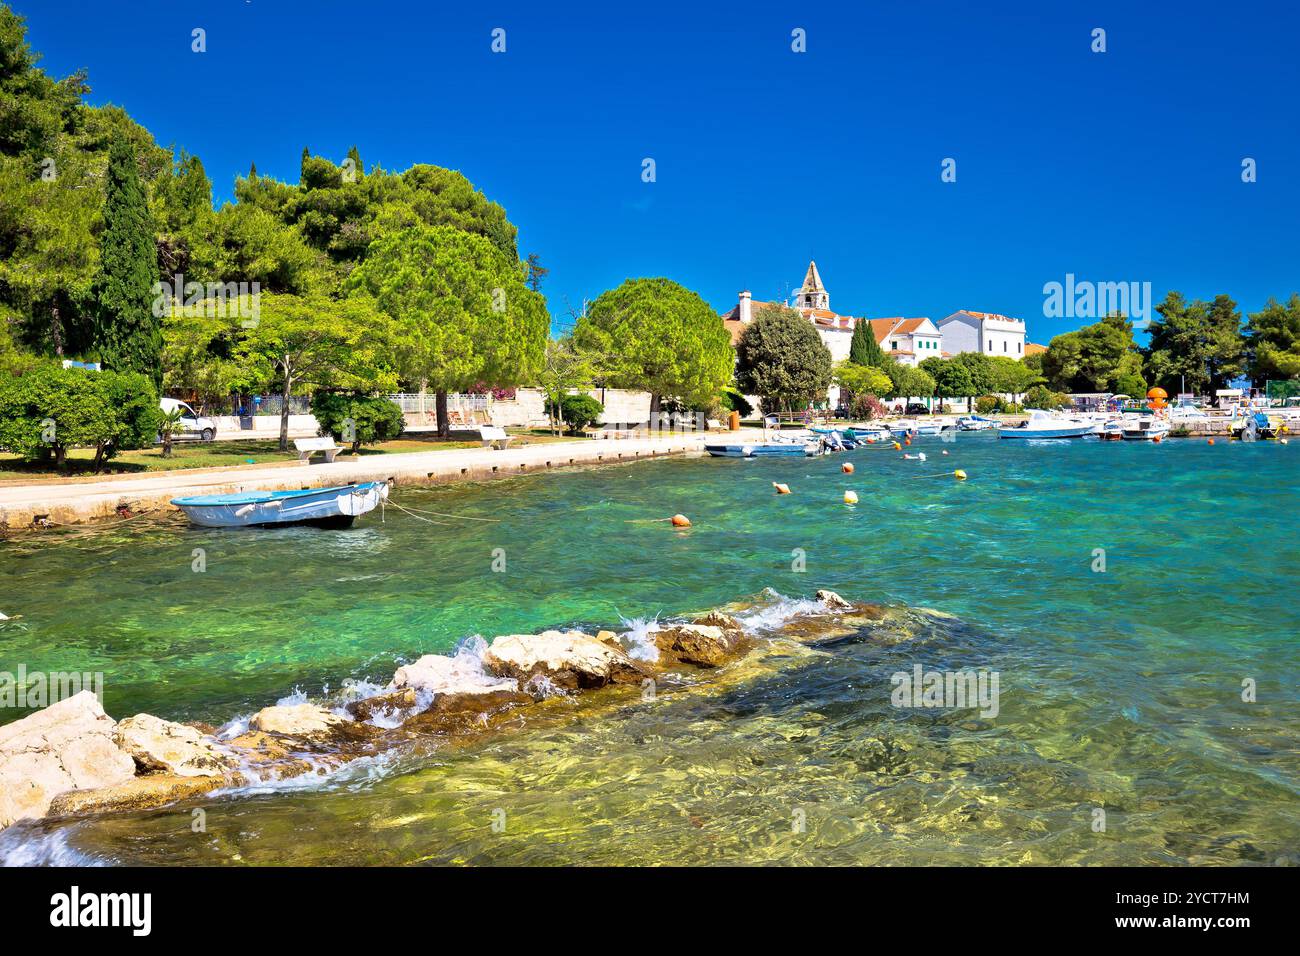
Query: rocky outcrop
point(701, 645)
point(570, 659)
point(160, 746)
point(390, 705)
point(297, 720)
point(138, 793)
point(66, 746)
point(457, 674)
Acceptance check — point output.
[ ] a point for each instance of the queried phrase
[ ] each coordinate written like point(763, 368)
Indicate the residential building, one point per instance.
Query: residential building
point(984, 332)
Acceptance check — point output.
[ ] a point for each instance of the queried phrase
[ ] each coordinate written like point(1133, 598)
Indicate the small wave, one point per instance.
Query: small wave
point(639, 640)
point(780, 609)
point(352, 775)
point(20, 846)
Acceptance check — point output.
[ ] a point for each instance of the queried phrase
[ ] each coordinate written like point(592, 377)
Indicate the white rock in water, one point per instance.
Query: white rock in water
point(66, 746)
point(833, 601)
point(297, 720)
point(160, 745)
point(458, 674)
point(569, 658)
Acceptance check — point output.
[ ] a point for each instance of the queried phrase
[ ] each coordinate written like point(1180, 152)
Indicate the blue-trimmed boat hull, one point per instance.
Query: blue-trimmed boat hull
point(333, 507)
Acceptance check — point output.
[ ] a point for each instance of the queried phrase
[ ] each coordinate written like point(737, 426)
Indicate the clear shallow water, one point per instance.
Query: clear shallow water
point(1118, 690)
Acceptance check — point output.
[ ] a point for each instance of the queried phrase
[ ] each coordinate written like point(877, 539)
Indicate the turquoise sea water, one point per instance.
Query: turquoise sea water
point(1119, 690)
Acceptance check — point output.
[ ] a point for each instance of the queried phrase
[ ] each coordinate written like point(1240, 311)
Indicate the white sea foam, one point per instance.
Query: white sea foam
point(777, 610)
point(20, 846)
point(352, 775)
point(639, 639)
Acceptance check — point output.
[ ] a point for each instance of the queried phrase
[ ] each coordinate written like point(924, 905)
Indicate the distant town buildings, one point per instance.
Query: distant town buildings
point(908, 340)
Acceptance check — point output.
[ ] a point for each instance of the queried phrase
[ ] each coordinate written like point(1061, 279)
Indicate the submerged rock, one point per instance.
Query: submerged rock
point(570, 659)
point(297, 720)
point(159, 745)
point(459, 713)
point(67, 746)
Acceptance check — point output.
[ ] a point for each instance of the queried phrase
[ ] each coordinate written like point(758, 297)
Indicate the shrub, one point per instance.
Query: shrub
point(867, 407)
point(1040, 396)
point(733, 401)
point(359, 419)
point(577, 411)
point(988, 404)
point(51, 410)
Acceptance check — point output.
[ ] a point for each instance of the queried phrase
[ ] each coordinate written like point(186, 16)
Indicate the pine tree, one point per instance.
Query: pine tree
point(864, 349)
point(128, 336)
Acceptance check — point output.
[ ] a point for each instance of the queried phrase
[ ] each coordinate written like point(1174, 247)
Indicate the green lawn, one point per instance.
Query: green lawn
point(193, 454)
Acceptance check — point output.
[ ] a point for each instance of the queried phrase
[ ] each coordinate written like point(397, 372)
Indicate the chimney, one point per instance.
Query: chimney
point(746, 307)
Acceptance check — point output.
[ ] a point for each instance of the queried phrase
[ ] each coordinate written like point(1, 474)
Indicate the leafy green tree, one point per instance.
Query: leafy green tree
point(1092, 358)
point(909, 382)
point(128, 335)
point(655, 335)
point(576, 411)
point(50, 410)
point(952, 379)
point(1273, 340)
point(1198, 343)
point(301, 344)
point(564, 367)
point(536, 272)
point(1011, 376)
point(463, 314)
point(781, 358)
point(858, 379)
point(1040, 396)
point(863, 347)
point(358, 419)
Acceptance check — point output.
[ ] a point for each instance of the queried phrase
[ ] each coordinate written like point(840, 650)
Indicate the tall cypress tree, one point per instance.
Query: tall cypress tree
point(863, 348)
point(128, 336)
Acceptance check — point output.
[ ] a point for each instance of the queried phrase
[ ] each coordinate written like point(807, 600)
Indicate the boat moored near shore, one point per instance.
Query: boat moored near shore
point(331, 507)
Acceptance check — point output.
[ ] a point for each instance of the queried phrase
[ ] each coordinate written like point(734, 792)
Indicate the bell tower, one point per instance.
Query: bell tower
point(813, 295)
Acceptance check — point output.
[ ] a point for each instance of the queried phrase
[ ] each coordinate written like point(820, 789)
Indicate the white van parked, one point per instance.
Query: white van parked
point(205, 429)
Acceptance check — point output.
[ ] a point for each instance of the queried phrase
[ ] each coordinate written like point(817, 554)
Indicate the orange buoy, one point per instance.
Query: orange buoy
point(907, 441)
point(847, 468)
point(1209, 441)
point(898, 447)
point(681, 521)
point(780, 488)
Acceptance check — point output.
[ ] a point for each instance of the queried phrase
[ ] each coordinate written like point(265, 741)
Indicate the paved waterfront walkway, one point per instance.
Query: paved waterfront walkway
point(71, 502)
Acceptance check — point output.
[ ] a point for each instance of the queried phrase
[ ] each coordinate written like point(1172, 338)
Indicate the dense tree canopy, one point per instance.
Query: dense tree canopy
point(1273, 340)
point(656, 335)
point(781, 358)
point(1196, 343)
point(1093, 358)
point(463, 314)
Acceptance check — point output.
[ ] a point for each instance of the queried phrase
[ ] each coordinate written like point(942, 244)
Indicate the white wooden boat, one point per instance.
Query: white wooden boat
point(1043, 424)
point(333, 507)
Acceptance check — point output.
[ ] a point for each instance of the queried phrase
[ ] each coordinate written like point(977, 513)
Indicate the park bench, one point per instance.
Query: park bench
point(494, 436)
point(310, 446)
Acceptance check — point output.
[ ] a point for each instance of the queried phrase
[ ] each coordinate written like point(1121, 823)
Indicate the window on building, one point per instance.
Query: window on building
point(990, 345)
point(893, 346)
point(1019, 347)
point(1004, 345)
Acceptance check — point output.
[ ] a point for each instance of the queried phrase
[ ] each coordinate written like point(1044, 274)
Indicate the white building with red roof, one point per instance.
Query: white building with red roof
point(907, 340)
point(985, 332)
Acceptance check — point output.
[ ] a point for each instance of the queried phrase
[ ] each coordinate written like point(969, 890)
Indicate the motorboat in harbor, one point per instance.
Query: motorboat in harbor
point(1145, 428)
point(1043, 424)
point(333, 507)
point(976, 423)
point(911, 428)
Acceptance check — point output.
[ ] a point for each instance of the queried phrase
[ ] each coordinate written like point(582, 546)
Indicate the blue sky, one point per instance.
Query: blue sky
point(1120, 166)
